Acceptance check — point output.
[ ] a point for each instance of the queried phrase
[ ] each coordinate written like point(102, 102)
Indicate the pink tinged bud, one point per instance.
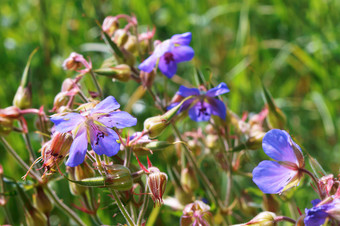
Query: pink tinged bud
point(75, 61)
point(263, 219)
point(67, 85)
point(110, 25)
point(147, 78)
point(61, 99)
point(55, 150)
point(23, 97)
point(326, 184)
point(157, 183)
point(12, 112)
point(196, 213)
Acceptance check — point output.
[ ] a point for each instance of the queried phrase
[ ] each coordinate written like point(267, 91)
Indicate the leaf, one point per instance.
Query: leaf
point(113, 46)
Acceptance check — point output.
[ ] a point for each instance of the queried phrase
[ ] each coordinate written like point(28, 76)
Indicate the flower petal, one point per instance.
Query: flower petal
point(277, 144)
point(182, 39)
point(183, 53)
point(107, 105)
point(78, 149)
point(271, 177)
point(162, 48)
point(167, 68)
point(149, 64)
point(65, 123)
point(185, 91)
point(218, 108)
point(104, 141)
point(118, 119)
point(201, 111)
point(218, 90)
point(315, 216)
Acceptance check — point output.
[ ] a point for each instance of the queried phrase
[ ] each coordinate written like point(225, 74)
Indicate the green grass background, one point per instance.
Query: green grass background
point(292, 46)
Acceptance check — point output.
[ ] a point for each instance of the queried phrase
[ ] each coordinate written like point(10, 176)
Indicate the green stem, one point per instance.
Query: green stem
point(64, 207)
point(127, 159)
point(121, 207)
point(19, 159)
point(89, 206)
point(144, 206)
point(95, 81)
point(205, 180)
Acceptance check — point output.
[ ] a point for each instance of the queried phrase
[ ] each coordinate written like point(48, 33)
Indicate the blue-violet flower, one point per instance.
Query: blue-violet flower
point(93, 126)
point(168, 54)
point(275, 177)
point(203, 104)
point(317, 215)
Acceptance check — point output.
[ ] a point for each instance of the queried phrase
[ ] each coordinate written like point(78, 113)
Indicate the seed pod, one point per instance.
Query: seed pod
point(23, 97)
point(119, 178)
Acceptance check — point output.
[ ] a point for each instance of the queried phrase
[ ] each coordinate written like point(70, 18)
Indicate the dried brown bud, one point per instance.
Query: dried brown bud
point(157, 184)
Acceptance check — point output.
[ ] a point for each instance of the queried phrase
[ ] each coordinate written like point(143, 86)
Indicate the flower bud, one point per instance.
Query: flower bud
point(67, 85)
point(42, 202)
point(254, 142)
point(196, 213)
point(35, 217)
point(75, 189)
point(157, 183)
point(270, 203)
point(263, 219)
point(12, 112)
point(131, 45)
point(147, 78)
point(189, 180)
point(120, 72)
point(60, 99)
point(55, 150)
point(75, 61)
point(23, 97)
point(276, 118)
point(182, 196)
point(121, 36)
point(6, 126)
point(110, 25)
point(157, 124)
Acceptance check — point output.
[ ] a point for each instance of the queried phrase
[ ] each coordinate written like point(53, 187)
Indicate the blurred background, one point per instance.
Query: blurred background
point(292, 46)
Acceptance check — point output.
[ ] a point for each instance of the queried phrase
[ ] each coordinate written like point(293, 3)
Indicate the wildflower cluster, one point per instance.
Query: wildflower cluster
point(88, 131)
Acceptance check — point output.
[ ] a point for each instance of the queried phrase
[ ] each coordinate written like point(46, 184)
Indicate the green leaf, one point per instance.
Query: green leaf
point(113, 46)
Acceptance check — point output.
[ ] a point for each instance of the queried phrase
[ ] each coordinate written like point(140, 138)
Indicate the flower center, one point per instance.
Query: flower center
point(168, 56)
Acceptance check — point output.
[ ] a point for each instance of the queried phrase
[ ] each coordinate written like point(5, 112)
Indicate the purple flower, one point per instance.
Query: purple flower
point(204, 104)
point(93, 126)
point(275, 177)
point(317, 215)
point(168, 54)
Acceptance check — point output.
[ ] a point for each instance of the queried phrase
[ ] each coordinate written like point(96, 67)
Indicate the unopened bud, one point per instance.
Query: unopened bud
point(23, 97)
point(83, 171)
point(67, 85)
point(270, 203)
point(121, 36)
point(157, 124)
point(147, 78)
point(60, 99)
point(157, 183)
point(263, 219)
point(131, 44)
point(276, 118)
point(182, 196)
point(6, 126)
point(189, 180)
point(110, 25)
point(35, 217)
point(120, 72)
point(196, 213)
point(74, 188)
point(254, 142)
point(87, 106)
point(42, 202)
point(129, 58)
point(12, 112)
